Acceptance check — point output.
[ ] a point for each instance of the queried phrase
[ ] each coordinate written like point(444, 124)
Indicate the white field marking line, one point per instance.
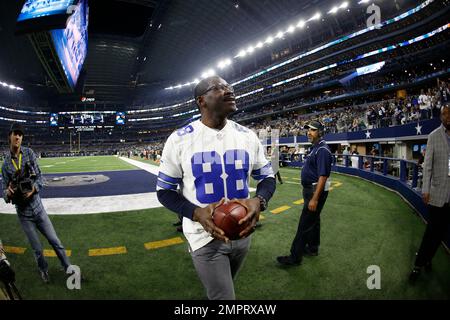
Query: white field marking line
point(91, 205)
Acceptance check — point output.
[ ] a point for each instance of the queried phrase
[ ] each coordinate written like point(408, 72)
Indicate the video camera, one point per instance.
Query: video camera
point(7, 278)
point(22, 183)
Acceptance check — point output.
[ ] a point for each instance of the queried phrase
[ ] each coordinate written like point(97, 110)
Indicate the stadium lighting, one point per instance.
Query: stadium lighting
point(269, 39)
point(344, 5)
point(301, 24)
point(208, 73)
point(333, 11)
point(178, 86)
point(10, 86)
point(291, 29)
point(224, 63)
point(315, 17)
point(364, 1)
point(241, 53)
point(196, 80)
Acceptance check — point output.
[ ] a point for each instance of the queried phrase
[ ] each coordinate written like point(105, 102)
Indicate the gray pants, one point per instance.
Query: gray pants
point(217, 264)
point(41, 222)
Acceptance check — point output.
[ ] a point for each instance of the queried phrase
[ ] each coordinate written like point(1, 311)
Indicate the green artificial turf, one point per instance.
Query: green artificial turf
point(362, 225)
point(83, 164)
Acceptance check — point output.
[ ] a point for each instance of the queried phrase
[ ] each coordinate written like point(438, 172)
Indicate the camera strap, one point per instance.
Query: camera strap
point(20, 162)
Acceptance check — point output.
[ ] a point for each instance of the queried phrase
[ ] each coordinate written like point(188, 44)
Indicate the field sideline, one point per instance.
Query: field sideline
point(362, 225)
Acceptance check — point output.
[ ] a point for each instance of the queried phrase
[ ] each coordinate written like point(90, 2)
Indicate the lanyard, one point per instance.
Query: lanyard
point(20, 163)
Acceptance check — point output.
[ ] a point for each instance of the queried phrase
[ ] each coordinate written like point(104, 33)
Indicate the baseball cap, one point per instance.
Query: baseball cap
point(16, 127)
point(316, 125)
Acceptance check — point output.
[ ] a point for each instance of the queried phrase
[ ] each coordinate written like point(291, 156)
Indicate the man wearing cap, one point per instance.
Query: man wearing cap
point(21, 165)
point(314, 176)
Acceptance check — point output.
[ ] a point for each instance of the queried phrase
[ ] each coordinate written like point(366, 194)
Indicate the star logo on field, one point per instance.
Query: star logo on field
point(368, 133)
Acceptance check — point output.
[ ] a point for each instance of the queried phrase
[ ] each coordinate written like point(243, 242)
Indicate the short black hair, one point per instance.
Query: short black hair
point(201, 87)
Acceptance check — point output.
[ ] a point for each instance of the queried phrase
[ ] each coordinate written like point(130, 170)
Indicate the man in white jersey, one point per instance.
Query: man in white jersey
point(211, 161)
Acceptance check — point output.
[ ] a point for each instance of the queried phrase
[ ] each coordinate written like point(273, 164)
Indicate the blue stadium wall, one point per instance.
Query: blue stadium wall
point(393, 183)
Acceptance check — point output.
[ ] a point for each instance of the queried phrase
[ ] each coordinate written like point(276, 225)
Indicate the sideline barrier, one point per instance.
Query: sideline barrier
point(402, 176)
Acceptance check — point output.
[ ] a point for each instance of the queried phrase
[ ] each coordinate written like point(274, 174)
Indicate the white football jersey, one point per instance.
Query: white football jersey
point(209, 165)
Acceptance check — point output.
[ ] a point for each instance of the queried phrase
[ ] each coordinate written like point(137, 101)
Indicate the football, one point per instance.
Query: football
point(227, 217)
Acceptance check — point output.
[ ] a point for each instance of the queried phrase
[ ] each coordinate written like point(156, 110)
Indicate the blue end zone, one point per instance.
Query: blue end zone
point(119, 183)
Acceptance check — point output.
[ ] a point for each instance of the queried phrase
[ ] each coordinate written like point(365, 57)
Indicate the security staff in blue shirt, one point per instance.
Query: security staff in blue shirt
point(314, 176)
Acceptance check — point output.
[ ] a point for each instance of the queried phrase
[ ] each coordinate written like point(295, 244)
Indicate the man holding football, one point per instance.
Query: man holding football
point(211, 160)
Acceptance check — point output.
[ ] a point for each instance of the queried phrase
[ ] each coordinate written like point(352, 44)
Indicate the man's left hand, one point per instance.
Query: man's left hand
point(29, 194)
point(312, 205)
point(253, 210)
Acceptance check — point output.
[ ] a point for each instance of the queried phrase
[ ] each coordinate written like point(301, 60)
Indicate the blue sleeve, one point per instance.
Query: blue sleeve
point(324, 160)
point(266, 188)
point(175, 202)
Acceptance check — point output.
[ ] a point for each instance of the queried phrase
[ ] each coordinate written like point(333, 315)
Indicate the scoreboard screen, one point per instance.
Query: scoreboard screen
point(53, 119)
point(120, 118)
point(41, 8)
point(71, 43)
point(79, 119)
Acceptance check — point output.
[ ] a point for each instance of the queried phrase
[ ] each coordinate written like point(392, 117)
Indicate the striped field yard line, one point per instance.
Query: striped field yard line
point(261, 217)
point(16, 250)
point(280, 209)
point(52, 253)
point(107, 251)
point(301, 201)
point(290, 182)
point(162, 243)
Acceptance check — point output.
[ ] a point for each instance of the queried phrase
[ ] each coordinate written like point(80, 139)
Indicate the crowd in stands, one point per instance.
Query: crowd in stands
point(385, 113)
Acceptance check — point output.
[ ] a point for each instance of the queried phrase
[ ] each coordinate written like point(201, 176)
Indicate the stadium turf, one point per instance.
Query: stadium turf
point(362, 225)
point(83, 164)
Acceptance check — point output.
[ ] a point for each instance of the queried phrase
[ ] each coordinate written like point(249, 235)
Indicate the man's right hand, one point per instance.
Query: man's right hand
point(426, 197)
point(10, 191)
point(204, 217)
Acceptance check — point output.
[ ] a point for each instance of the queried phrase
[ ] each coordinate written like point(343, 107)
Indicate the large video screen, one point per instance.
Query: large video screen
point(120, 118)
point(71, 43)
point(71, 119)
point(53, 119)
point(87, 119)
point(41, 8)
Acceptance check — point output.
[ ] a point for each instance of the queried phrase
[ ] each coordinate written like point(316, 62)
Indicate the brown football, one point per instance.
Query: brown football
point(227, 217)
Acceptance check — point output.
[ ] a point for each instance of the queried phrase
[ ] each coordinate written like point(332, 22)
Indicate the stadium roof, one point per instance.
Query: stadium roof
point(150, 44)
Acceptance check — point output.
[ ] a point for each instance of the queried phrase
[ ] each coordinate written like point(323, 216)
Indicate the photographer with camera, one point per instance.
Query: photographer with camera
point(21, 183)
